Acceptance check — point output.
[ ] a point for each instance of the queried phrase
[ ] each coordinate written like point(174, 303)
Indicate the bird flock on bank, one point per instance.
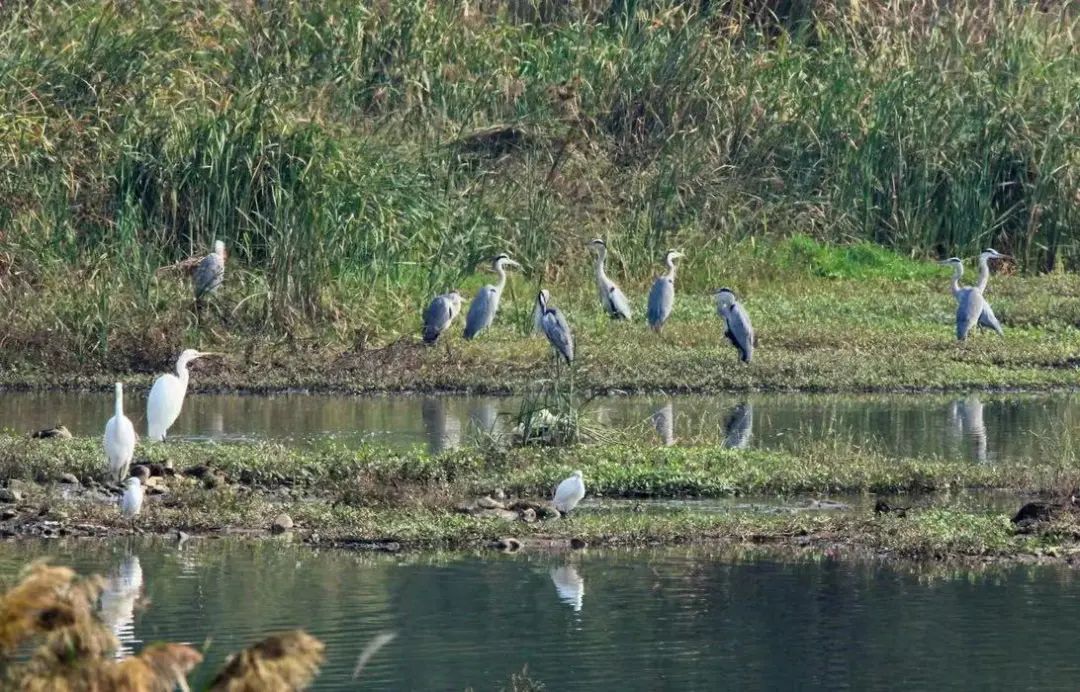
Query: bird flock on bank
point(167, 394)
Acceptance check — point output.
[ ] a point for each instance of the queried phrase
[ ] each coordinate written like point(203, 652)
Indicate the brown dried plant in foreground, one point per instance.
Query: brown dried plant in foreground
point(76, 654)
point(279, 663)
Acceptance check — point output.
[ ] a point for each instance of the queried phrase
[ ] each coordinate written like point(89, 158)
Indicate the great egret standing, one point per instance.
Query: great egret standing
point(555, 328)
point(662, 295)
point(569, 493)
point(612, 299)
point(737, 326)
point(439, 314)
point(486, 303)
point(119, 438)
point(209, 273)
point(970, 304)
point(133, 498)
point(167, 396)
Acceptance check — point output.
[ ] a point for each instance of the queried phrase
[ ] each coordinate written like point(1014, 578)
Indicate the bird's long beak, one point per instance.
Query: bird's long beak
point(204, 354)
point(512, 262)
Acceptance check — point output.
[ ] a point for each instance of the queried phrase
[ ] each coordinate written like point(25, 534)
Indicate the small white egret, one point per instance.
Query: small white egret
point(167, 396)
point(569, 493)
point(119, 438)
point(133, 498)
point(209, 273)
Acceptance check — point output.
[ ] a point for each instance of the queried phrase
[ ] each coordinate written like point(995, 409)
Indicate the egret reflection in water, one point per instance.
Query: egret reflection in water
point(966, 416)
point(739, 426)
point(663, 419)
point(569, 585)
point(117, 606)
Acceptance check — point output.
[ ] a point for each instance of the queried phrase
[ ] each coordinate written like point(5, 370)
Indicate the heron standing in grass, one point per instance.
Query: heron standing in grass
point(569, 493)
point(167, 396)
point(119, 438)
point(486, 303)
point(555, 328)
point(987, 319)
point(133, 498)
point(538, 312)
point(970, 304)
point(737, 326)
point(612, 299)
point(662, 295)
point(439, 314)
point(209, 273)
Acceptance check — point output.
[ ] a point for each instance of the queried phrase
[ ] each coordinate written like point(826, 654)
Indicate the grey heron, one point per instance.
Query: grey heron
point(662, 295)
point(486, 303)
point(119, 438)
point(133, 498)
point(737, 326)
point(167, 396)
point(612, 299)
point(538, 312)
point(663, 419)
point(988, 319)
point(569, 493)
point(439, 314)
point(970, 304)
point(209, 273)
point(555, 328)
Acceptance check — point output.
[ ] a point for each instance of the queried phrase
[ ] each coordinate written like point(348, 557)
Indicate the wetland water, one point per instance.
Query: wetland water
point(980, 427)
point(596, 619)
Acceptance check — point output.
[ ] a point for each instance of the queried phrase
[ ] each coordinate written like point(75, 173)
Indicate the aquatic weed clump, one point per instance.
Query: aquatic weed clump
point(287, 661)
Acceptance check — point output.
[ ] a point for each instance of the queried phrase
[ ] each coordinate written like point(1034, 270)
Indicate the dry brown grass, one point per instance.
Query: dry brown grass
point(279, 663)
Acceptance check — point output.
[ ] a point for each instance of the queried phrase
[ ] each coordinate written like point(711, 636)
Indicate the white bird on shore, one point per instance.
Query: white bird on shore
point(167, 396)
point(133, 498)
point(119, 438)
point(569, 493)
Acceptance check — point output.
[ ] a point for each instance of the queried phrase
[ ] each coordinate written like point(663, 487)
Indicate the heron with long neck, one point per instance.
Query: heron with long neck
point(486, 304)
point(167, 396)
point(612, 299)
point(662, 295)
point(972, 307)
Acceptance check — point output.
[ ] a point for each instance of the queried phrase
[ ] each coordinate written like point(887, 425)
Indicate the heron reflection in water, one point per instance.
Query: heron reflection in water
point(966, 416)
point(663, 419)
point(119, 593)
point(739, 426)
point(441, 427)
point(569, 585)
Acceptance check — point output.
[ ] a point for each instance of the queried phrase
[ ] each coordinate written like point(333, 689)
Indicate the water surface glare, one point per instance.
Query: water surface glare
point(979, 427)
point(627, 620)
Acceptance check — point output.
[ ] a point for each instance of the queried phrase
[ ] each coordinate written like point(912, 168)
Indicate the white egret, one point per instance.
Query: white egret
point(119, 438)
point(167, 396)
point(133, 498)
point(662, 295)
point(209, 273)
point(569, 493)
point(612, 299)
point(486, 303)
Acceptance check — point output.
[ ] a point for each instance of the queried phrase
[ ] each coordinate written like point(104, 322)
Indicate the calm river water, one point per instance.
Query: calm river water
point(591, 620)
point(979, 427)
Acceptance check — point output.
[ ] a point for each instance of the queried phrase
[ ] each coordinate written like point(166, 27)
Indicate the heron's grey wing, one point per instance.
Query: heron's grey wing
point(988, 320)
point(208, 275)
point(481, 312)
point(619, 305)
point(740, 332)
point(558, 333)
point(436, 318)
point(661, 298)
point(968, 308)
